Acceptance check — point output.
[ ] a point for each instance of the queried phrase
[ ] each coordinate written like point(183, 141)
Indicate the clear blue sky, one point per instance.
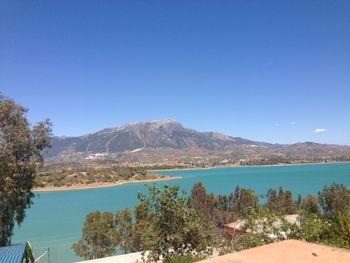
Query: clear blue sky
point(265, 70)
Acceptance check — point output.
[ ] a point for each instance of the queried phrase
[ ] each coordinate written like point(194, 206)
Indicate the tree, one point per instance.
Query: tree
point(299, 202)
point(244, 201)
point(207, 204)
point(20, 154)
point(334, 199)
point(223, 210)
point(100, 238)
point(174, 227)
point(310, 205)
point(342, 229)
point(162, 223)
point(198, 198)
point(125, 230)
point(281, 201)
point(170, 225)
point(312, 228)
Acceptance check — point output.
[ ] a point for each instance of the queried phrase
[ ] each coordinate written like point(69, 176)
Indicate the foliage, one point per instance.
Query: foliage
point(311, 228)
point(310, 205)
point(334, 198)
point(100, 237)
point(174, 229)
point(182, 259)
point(20, 154)
point(199, 199)
point(217, 209)
point(341, 229)
point(223, 209)
point(262, 226)
point(125, 229)
point(281, 201)
point(142, 225)
point(267, 223)
point(244, 201)
point(162, 223)
point(249, 241)
point(170, 225)
point(74, 174)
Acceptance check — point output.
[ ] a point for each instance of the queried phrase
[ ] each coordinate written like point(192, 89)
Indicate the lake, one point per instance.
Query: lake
point(56, 218)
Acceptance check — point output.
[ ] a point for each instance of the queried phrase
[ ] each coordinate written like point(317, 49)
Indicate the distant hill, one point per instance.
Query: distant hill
point(167, 141)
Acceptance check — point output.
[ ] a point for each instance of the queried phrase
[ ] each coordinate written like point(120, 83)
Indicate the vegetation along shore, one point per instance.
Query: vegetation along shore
point(171, 224)
point(64, 177)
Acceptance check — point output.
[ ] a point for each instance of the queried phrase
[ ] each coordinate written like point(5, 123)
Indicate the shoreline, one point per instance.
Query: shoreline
point(164, 177)
point(101, 185)
point(242, 166)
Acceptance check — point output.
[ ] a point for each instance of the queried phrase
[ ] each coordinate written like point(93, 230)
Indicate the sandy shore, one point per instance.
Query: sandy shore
point(101, 185)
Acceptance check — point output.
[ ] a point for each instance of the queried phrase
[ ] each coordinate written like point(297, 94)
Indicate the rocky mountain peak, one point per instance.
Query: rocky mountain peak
point(169, 136)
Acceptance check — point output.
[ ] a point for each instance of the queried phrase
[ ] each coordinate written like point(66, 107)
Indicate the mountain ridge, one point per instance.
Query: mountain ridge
point(167, 136)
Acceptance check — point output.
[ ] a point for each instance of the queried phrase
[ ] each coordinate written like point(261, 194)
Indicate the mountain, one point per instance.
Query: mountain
point(167, 141)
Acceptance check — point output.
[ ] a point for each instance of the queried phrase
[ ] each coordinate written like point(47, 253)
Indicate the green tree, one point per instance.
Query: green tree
point(20, 155)
point(198, 198)
point(217, 208)
point(299, 202)
point(281, 201)
point(174, 228)
point(341, 229)
point(125, 228)
point(244, 201)
point(310, 205)
point(99, 236)
point(223, 210)
point(312, 228)
point(171, 225)
point(334, 199)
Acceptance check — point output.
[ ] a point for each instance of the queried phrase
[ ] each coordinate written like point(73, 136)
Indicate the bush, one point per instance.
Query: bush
point(182, 259)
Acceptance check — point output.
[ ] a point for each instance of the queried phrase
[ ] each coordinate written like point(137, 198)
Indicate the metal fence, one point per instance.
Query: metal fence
point(57, 254)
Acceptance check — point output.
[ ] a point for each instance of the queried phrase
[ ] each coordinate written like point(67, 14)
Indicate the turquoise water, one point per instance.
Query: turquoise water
point(56, 218)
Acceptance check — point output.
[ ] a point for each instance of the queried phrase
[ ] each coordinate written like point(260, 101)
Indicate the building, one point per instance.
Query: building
point(17, 253)
point(236, 228)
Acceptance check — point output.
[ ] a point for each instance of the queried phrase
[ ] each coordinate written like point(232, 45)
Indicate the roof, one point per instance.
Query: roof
point(126, 258)
point(13, 254)
point(288, 251)
point(236, 225)
point(240, 223)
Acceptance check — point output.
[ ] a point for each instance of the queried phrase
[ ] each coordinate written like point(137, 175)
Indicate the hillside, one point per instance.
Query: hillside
point(167, 141)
